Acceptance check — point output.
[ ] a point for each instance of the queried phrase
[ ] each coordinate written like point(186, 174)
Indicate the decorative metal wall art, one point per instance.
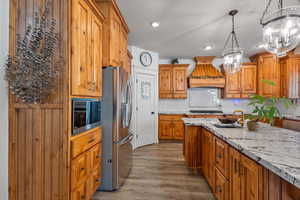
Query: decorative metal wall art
point(32, 73)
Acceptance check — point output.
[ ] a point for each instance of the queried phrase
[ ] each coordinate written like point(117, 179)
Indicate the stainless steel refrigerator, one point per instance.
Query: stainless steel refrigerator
point(116, 117)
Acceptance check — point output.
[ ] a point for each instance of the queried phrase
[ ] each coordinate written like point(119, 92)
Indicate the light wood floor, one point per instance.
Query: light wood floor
point(159, 173)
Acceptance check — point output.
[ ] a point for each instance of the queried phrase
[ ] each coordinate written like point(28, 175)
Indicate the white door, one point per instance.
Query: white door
point(145, 109)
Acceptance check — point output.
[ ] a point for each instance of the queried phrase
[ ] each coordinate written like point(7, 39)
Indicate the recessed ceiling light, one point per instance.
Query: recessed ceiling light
point(260, 45)
point(207, 48)
point(155, 24)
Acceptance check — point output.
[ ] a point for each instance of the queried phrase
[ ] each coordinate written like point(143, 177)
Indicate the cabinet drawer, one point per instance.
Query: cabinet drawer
point(79, 170)
point(222, 161)
point(221, 187)
point(171, 117)
point(87, 140)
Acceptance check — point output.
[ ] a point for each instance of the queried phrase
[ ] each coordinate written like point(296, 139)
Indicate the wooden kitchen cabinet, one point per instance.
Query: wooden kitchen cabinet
point(86, 44)
point(222, 162)
point(268, 69)
point(221, 188)
point(173, 81)
point(242, 84)
point(208, 156)
point(171, 127)
point(80, 193)
point(290, 76)
point(115, 34)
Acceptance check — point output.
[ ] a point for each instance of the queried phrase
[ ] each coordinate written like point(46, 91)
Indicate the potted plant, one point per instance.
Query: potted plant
point(265, 108)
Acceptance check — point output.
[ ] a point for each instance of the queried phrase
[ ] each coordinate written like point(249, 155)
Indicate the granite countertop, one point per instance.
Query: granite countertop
point(189, 113)
point(274, 148)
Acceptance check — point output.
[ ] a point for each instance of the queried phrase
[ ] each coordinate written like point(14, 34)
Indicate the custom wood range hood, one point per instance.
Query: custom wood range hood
point(205, 74)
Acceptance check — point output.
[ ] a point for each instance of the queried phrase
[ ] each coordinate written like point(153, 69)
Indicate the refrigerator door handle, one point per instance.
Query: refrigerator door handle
point(125, 140)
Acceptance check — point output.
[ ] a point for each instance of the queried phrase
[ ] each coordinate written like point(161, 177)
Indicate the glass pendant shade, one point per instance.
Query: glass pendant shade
point(281, 30)
point(233, 59)
point(232, 54)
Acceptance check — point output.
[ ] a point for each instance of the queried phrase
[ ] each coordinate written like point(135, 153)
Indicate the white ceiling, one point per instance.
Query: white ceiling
point(186, 26)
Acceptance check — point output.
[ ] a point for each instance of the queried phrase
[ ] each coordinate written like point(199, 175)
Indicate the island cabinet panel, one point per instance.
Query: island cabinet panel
point(86, 45)
point(193, 147)
point(208, 157)
point(221, 156)
point(251, 177)
point(221, 188)
point(171, 127)
point(234, 174)
point(173, 81)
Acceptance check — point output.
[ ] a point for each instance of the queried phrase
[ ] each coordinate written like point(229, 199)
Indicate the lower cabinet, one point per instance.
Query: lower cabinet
point(171, 127)
point(230, 174)
point(85, 174)
point(221, 187)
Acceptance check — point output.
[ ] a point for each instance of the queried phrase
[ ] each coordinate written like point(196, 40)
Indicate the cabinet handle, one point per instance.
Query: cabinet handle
point(90, 141)
point(82, 169)
point(235, 166)
point(241, 169)
point(219, 156)
point(82, 196)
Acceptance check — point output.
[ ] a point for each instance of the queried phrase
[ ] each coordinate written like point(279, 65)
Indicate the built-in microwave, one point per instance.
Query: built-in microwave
point(86, 115)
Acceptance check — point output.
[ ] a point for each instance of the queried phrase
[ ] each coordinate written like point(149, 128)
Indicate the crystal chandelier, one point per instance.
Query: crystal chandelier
point(281, 28)
point(232, 54)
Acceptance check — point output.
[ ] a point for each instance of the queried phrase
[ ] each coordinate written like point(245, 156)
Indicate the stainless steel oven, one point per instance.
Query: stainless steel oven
point(86, 114)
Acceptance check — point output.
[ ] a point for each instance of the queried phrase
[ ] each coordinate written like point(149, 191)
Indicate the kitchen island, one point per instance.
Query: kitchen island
point(266, 163)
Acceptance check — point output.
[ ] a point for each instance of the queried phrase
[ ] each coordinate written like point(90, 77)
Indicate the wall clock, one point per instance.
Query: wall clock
point(146, 59)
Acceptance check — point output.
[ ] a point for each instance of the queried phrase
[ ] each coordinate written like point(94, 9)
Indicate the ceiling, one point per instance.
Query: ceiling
point(186, 26)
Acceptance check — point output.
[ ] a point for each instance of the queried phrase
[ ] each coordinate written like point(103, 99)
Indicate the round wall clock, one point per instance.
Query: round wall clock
point(146, 59)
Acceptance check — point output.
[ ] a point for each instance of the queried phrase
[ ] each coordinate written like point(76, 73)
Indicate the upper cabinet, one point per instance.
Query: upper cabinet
point(115, 34)
point(290, 76)
point(268, 69)
point(242, 84)
point(173, 81)
point(86, 49)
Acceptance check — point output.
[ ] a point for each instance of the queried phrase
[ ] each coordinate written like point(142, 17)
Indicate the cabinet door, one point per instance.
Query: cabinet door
point(268, 69)
point(96, 56)
point(248, 80)
point(179, 82)
point(222, 157)
point(290, 68)
point(95, 154)
point(233, 85)
point(165, 82)
point(80, 51)
point(123, 50)
point(178, 129)
point(165, 129)
point(79, 170)
point(115, 40)
point(250, 177)
point(221, 189)
point(211, 160)
point(80, 193)
point(234, 175)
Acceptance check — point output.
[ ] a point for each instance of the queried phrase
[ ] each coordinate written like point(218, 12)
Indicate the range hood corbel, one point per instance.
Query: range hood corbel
point(205, 75)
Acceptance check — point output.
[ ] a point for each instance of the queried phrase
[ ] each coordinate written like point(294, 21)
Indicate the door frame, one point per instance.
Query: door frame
point(136, 70)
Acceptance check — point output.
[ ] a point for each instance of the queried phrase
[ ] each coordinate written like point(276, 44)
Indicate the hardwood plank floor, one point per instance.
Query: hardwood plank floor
point(159, 173)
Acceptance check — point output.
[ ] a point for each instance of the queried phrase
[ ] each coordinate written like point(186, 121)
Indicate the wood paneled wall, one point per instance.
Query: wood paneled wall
point(38, 134)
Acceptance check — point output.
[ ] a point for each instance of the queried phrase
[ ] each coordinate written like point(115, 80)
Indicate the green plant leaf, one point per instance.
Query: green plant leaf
point(271, 83)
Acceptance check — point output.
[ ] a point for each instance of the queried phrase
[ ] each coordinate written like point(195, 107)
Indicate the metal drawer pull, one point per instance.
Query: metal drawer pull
point(82, 168)
point(82, 196)
point(219, 189)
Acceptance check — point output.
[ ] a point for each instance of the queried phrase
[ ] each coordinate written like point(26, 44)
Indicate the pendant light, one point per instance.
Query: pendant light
point(232, 54)
point(281, 28)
